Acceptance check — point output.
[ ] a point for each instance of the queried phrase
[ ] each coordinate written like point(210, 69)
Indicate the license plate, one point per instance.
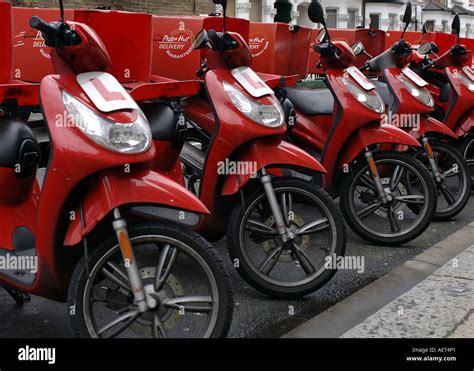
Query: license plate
point(251, 82)
point(361, 79)
point(414, 77)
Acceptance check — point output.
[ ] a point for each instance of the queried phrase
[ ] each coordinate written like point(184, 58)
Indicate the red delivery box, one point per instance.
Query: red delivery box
point(280, 50)
point(6, 57)
point(31, 58)
point(173, 56)
point(128, 38)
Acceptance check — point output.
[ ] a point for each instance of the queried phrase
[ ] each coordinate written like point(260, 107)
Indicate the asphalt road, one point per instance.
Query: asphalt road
point(255, 315)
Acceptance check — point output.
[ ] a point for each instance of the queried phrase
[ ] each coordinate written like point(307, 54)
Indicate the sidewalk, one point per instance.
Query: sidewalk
point(431, 296)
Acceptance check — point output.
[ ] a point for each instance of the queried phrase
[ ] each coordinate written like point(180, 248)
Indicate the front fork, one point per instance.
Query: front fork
point(431, 159)
point(285, 233)
point(384, 196)
point(141, 299)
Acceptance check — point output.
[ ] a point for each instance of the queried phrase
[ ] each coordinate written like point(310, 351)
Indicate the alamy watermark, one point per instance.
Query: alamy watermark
point(401, 121)
point(355, 263)
point(229, 167)
point(19, 263)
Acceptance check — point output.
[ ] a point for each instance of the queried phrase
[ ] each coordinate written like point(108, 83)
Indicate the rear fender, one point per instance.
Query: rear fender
point(112, 189)
point(270, 154)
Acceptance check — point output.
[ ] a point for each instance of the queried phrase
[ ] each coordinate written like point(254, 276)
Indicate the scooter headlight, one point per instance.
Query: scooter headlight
point(271, 115)
point(468, 83)
point(422, 94)
point(370, 99)
point(131, 138)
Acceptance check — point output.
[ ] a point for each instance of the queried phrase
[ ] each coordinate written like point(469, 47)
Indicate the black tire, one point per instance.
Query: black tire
point(461, 198)
point(203, 249)
point(467, 150)
point(247, 269)
point(386, 239)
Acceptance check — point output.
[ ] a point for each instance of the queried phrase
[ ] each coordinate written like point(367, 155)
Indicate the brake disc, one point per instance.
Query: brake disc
point(287, 256)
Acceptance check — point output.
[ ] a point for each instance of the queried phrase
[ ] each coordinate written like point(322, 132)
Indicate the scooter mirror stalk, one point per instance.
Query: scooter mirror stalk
point(61, 9)
point(424, 31)
point(223, 3)
point(407, 18)
point(316, 14)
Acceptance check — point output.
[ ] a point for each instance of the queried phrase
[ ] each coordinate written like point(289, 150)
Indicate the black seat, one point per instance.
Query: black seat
point(384, 92)
point(18, 146)
point(312, 102)
point(164, 122)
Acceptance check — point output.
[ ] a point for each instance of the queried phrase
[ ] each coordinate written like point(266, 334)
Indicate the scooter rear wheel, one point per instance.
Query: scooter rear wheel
point(467, 150)
point(407, 181)
point(194, 300)
point(295, 268)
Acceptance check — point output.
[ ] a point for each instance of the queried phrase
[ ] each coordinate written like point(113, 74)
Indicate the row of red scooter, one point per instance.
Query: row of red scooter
point(134, 172)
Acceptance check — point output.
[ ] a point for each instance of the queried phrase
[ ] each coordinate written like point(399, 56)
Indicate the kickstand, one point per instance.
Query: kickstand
point(19, 297)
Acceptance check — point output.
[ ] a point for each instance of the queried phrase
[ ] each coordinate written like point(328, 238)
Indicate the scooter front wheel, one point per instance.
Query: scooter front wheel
point(192, 300)
point(391, 220)
point(301, 264)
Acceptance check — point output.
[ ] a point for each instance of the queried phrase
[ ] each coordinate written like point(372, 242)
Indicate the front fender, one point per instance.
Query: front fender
point(375, 134)
point(112, 189)
point(264, 153)
point(430, 125)
point(466, 125)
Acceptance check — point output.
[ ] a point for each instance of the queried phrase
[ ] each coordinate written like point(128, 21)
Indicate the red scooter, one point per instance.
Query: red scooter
point(377, 188)
point(452, 86)
point(409, 104)
point(282, 233)
point(93, 231)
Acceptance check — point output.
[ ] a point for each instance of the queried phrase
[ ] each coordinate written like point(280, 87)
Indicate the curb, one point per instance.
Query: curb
point(356, 308)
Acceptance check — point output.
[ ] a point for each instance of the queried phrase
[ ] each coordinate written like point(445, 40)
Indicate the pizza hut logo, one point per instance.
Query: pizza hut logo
point(258, 44)
point(34, 40)
point(178, 43)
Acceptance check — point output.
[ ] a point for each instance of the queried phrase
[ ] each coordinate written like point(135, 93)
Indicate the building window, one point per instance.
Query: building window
point(331, 20)
point(351, 23)
point(430, 26)
point(393, 18)
point(445, 26)
point(374, 21)
point(469, 30)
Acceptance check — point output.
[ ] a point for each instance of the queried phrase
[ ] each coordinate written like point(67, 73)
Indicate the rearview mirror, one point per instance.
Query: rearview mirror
point(201, 40)
point(407, 15)
point(425, 49)
point(456, 26)
point(316, 12)
point(358, 48)
point(221, 2)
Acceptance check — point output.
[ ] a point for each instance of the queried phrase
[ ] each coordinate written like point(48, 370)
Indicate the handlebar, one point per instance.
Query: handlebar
point(55, 33)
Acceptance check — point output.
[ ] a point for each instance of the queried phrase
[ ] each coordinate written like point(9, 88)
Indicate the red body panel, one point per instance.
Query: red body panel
point(461, 103)
point(466, 124)
point(112, 189)
point(430, 125)
point(267, 154)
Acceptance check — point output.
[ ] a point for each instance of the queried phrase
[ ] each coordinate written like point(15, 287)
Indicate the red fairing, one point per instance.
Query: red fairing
point(461, 102)
point(267, 154)
point(408, 103)
point(448, 59)
point(230, 59)
point(345, 59)
point(466, 124)
point(112, 189)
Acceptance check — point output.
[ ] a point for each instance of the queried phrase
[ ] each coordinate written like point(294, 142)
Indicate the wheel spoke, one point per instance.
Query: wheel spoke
point(267, 266)
point(392, 217)
point(261, 229)
point(120, 272)
point(412, 199)
point(159, 327)
point(127, 319)
point(369, 210)
point(447, 195)
point(286, 207)
point(163, 272)
point(368, 182)
point(185, 302)
point(304, 260)
point(396, 177)
point(452, 172)
point(314, 227)
point(116, 280)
